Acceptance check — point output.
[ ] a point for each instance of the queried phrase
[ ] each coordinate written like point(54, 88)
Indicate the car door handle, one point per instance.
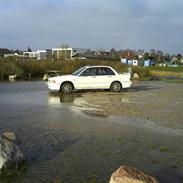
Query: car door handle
point(93, 76)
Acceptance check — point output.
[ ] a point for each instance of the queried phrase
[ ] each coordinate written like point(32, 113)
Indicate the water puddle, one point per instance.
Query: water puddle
point(77, 103)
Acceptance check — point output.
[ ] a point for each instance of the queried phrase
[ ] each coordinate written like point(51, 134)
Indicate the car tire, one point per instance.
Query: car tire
point(67, 87)
point(116, 87)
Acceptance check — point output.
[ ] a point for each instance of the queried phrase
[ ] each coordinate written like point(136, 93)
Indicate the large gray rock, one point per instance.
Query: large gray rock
point(10, 154)
point(11, 137)
point(126, 174)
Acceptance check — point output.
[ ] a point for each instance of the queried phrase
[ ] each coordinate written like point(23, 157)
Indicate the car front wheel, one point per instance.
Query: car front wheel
point(67, 87)
point(116, 86)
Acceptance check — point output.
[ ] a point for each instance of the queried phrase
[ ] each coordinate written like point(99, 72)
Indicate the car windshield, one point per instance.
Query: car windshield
point(78, 71)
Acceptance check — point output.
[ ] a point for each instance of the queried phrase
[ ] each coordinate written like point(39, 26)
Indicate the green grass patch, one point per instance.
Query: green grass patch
point(163, 149)
point(173, 69)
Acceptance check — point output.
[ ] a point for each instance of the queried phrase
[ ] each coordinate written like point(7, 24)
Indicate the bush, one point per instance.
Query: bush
point(10, 68)
point(38, 68)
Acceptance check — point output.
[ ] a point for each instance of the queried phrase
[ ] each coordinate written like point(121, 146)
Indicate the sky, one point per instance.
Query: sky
point(97, 24)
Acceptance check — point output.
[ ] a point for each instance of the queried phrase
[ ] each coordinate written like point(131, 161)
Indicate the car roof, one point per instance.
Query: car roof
point(89, 66)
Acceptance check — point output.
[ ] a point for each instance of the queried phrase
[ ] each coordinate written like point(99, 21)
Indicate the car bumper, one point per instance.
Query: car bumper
point(127, 84)
point(54, 87)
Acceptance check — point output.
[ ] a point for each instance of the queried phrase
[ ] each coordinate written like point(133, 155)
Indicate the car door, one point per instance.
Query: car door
point(105, 76)
point(87, 79)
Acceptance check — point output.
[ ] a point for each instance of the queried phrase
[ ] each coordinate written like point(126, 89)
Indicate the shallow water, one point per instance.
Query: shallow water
point(85, 136)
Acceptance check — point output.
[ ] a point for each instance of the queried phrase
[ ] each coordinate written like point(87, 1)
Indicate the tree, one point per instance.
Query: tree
point(140, 52)
point(159, 53)
point(17, 51)
point(146, 56)
point(29, 49)
point(152, 53)
point(179, 57)
point(115, 54)
point(167, 57)
point(160, 56)
point(136, 57)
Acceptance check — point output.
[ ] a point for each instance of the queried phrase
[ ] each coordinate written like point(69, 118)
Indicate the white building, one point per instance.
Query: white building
point(38, 55)
point(62, 53)
point(41, 55)
point(11, 55)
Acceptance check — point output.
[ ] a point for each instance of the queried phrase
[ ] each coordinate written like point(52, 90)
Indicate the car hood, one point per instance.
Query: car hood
point(63, 77)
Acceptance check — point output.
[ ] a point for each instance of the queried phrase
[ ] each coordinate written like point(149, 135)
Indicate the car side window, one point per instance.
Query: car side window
point(90, 72)
point(107, 71)
point(99, 71)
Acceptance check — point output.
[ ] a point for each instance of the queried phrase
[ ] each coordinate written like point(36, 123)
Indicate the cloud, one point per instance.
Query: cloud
point(96, 24)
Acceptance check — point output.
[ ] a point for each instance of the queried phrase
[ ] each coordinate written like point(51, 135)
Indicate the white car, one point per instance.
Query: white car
point(90, 77)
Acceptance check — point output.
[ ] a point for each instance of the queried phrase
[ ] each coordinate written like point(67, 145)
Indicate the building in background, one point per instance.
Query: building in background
point(80, 53)
point(11, 55)
point(59, 54)
point(37, 55)
point(149, 62)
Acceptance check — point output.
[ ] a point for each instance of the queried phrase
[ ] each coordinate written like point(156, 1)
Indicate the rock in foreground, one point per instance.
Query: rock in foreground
point(10, 136)
point(126, 174)
point(10, 154)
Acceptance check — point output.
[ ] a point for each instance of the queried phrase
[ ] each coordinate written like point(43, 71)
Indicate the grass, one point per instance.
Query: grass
point(160, 148)
point(163, 149)
point(158, 73)
point(171, 69)
point(163, 72)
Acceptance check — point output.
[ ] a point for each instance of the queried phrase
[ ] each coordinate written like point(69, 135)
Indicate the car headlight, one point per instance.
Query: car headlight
point(53, 81)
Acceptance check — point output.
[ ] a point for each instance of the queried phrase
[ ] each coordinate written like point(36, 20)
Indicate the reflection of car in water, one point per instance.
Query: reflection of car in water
point(51, 73)
point(90, 77)
point(55, 98)
point(75, 102)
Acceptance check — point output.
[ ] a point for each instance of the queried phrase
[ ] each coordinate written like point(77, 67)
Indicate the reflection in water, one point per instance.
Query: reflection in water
point(12, 80)
point(53, 99)
point(68, 98)
point(76, 103)
point(57, 98)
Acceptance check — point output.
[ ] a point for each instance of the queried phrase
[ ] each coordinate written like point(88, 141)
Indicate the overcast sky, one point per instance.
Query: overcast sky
point(121, 24)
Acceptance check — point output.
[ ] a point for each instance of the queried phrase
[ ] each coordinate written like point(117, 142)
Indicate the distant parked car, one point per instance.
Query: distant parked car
point(51, 73)
point(12, 77)
point(90, 77)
